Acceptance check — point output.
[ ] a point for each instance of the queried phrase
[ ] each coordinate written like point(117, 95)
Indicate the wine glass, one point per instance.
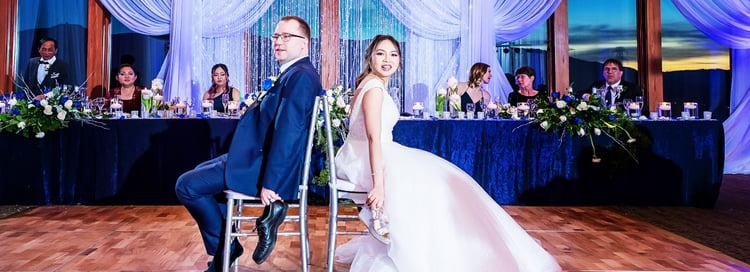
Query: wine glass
point(99, 103)
point(225, 101)
point(639, 100)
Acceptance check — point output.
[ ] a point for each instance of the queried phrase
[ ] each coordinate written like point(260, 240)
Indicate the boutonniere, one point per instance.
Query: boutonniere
point(268, 83)
point(54, 75)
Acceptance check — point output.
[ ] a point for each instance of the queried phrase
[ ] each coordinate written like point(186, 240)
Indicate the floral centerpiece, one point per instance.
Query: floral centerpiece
point(339, 126)
point(454, 98)
point(152, 98)
point(440, 100)
point(37, 116)
point(585, 118)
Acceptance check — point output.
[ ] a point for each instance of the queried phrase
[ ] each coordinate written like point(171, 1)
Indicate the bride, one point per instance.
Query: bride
point(440, 219)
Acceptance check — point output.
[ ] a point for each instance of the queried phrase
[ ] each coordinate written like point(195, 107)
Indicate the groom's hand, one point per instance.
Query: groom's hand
point(268, 196)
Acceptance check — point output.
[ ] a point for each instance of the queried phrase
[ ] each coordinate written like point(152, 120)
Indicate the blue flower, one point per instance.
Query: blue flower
point(267, 83)
point(37, 103)
point(555, 95)
point(579, 120)
point(16, 112)
point(611, 117)
point(323, 92)
point(20, 95)
point(77, 104)
point(567, 98)
point(64, 99)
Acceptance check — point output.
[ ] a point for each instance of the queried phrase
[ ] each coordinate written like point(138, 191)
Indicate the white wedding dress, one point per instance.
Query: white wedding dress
point(440, 218)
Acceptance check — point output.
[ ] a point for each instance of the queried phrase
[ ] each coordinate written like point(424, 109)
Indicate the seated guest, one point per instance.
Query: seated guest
point(612, 72)
point(129, 93)
point(471, 91)
point(525, 77)
point(46, 71)
point(220, 86)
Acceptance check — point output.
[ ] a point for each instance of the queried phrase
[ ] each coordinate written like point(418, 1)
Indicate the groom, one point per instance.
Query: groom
point(267, 150)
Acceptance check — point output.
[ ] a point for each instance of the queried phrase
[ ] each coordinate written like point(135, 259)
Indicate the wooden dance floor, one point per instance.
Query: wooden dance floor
point(165, 238)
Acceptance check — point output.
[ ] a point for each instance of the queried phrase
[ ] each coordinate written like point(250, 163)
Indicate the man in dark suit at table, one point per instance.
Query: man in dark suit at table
point(616, 89)
point(46, 71)
point(266, 154)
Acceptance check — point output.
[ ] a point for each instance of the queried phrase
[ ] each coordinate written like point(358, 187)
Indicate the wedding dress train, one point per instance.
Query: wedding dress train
point(440, 218)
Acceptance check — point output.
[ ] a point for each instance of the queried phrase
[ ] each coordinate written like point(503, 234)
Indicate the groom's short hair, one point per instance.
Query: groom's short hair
point(302, 24)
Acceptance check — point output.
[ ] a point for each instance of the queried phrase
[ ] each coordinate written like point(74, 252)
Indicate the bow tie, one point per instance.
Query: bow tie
point(43, 62)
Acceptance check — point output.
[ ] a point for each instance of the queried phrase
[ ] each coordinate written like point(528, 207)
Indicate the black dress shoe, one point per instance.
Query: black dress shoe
point(234, 253)
point(267, 226)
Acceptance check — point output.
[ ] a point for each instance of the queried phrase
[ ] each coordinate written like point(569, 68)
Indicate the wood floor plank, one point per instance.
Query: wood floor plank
point(165, 238)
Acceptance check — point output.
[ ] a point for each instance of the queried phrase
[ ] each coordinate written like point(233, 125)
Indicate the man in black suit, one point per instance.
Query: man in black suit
point(616, 89)
point(46, 71)
point(266, 154)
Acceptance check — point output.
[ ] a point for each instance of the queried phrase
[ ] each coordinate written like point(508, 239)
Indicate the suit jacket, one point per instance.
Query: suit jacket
point(268, 146)
point(629, 90)
point(56, 75)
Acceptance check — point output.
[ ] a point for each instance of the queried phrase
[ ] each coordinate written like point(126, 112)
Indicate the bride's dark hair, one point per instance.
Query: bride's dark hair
point(368, 55)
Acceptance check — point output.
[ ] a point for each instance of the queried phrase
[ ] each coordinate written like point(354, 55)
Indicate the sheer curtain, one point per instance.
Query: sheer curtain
point(728, 23)
point(446, 37)
point(194, 26)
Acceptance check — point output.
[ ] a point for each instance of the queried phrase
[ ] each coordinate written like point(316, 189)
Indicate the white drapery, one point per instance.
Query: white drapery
point(194, 26)
point(447, 37)
point(728, 23)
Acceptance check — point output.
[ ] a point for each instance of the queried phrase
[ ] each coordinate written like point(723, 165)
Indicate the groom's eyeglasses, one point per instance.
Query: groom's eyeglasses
point(285, 36)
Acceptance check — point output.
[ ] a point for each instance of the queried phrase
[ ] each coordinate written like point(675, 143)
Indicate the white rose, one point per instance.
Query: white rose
point(146, 94)
point(157, 83)
point(39, 135)
point(613, 109)
point(21, 125)
point(320, 123)
point(61, 115)
point(335, 122)
point(492, 106)
point(48, 94)
point(48, 110)
point(560, 104)
point(597, 131)
point(544, 125)
point(347, 109)
point(12, 102)
point(68, 104)
point(331, 100)
point(158, 97)
point(581, 132)
point(582, 106)
point(43, 103)
point(340, 102)
point(539, 111)
point(563, 118)
point(452, 83)
point(442, 92)
point(30, 105)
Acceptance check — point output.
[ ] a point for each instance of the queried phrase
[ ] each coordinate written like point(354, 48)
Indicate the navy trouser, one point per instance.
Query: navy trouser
point(197, 189)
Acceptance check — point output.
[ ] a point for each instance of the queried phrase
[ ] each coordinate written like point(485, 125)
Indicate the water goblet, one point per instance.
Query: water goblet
point(626, 104)
point(232, 107)
point(532, 107)
point(99, 103)
point(469, 110)
point(225, 101)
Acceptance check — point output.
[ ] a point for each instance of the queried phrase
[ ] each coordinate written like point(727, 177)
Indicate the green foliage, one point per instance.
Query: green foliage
point(36, 116)
point(337, 102)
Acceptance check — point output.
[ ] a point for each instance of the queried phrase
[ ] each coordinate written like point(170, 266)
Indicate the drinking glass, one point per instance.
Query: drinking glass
point(639, 100)
point(232, 107)
point(692, 109)
point(532, 108)
point(470, 110)
point(179, 106)
point(665, 110)
point(189, 109)
point(417, 110)
point(225, 101)
point(522, 108)
point(99, 103)
point(626, 104)
point(207, 106)
point(115, 107)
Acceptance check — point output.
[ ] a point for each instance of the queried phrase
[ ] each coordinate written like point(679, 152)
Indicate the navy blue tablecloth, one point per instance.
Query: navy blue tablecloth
point(138, 161)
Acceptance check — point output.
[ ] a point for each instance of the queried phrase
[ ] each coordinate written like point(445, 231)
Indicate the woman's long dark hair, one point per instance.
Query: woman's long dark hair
point(368, 55)
point(476, 73)
point(212, 90)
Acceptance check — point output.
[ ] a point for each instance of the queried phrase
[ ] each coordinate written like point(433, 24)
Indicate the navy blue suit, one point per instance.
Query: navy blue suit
point(57, 74)
point(267, 150)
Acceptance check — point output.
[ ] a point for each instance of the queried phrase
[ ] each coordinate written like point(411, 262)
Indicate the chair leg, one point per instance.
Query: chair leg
point(227, 236)
point(333, 210)
point(304, 241)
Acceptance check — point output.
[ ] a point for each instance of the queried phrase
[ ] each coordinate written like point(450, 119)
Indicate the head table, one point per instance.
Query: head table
point(137, 161)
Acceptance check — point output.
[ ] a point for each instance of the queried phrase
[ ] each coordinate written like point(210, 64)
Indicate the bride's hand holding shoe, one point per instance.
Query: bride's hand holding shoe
point(376, 197)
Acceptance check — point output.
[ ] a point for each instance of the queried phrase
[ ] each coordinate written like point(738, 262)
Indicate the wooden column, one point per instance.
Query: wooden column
point(97, 54)
point(649, 51)
point(558, 62)
point(9, 11)
point(329, 42)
